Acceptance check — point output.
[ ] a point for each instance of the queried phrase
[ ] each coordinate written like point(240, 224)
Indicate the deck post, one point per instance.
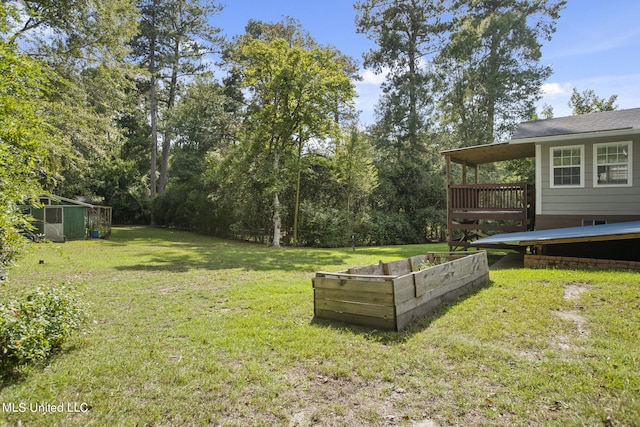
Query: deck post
point(449, 223)
point(464, 172)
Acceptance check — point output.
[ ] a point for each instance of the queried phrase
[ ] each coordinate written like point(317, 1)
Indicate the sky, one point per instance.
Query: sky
point(596, 46)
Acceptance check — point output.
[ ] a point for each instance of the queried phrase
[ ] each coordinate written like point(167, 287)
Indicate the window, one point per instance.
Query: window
point(566, 166)
point(612, 164)
point(53, 215)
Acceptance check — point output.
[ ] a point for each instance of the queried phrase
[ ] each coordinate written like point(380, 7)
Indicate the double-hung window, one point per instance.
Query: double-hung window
point(612, 164)
point(567, 166)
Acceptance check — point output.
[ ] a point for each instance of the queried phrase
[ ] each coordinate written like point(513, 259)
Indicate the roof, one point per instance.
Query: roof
point(68, 201)
point(490, 153)
point(585, 123)
point(591, 233)
point(522, 143)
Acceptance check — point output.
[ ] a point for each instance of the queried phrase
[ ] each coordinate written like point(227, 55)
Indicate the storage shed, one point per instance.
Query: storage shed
point(59, 218)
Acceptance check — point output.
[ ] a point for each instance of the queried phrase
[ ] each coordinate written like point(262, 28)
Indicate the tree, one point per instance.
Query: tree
point(90, 32)
point(295, 94)
point(407, 34)
point(84, 44)
point(490, 74)
point(25, 132)
point(356, 173)
point(586, 102)
point(204, 124)
point(174, 37)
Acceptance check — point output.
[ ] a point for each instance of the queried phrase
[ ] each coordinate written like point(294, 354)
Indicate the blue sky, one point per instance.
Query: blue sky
point(596, 45)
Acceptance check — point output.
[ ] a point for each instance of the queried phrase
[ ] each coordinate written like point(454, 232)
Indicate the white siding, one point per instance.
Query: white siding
point(587, 200)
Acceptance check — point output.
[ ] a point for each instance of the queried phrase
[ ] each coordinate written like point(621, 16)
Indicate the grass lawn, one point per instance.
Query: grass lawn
point(191, 330)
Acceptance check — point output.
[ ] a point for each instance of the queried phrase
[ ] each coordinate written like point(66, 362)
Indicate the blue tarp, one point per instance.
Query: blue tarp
point(570, 233)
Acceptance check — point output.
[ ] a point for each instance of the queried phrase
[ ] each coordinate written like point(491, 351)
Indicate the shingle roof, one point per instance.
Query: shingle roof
point(593, 122)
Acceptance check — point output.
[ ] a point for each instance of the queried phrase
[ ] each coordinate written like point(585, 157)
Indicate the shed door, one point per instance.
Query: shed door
point(53, 229)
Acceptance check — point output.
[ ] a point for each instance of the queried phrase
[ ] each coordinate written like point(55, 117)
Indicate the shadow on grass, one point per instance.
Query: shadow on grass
point(168, 250)
point(184, 251)
point(251, 259)
point(12, 374)
point(399, 337)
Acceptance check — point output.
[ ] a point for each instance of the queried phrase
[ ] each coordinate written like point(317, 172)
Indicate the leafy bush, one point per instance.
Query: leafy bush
point(34, 326)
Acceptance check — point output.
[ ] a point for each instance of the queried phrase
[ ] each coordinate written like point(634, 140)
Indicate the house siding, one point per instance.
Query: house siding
point(589, 201)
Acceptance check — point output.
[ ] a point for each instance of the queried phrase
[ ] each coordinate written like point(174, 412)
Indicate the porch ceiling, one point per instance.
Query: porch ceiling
point(490, 153)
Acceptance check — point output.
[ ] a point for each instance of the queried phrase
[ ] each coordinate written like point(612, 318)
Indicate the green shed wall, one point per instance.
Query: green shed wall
point(74, 222)
point(38, 215)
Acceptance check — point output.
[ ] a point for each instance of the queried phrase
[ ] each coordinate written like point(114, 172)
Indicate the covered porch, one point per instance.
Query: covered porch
point(476, 210)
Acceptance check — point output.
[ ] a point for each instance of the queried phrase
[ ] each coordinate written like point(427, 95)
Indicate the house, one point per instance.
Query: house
point(59, 219)
point(587, 172)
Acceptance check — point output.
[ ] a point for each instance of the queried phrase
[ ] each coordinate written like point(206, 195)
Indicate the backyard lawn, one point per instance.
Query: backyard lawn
point(188, 330)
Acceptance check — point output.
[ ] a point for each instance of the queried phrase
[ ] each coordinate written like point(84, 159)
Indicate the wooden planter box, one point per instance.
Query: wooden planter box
point(392, 295)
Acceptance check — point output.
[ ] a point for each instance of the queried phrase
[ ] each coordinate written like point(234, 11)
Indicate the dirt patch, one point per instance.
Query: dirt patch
point(567, 342)
point(574, 317)
point(345, 400)
point(338, 400)
point(573, 290)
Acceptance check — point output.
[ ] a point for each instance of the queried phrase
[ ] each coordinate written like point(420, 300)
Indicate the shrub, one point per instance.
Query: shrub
point(32, 327)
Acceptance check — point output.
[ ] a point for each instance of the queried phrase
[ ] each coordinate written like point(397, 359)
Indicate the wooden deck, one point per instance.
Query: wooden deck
point(475, 210)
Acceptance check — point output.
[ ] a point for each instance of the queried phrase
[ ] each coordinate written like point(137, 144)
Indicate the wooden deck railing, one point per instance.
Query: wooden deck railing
point(475, 209)
point(489, 196)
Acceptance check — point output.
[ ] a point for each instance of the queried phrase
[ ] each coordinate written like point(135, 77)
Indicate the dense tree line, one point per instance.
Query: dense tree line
point(118, 100)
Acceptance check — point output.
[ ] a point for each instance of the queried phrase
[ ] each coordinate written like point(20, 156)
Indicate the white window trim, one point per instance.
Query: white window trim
point(629, 165)
point(551, 168)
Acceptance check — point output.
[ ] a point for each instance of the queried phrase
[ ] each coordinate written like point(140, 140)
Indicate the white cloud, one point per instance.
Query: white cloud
point(368, 90)
point(558, 94)
point(554, 90)
point(371, 78)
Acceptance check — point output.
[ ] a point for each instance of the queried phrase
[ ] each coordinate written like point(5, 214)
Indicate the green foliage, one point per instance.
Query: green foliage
point(34, 326)
point(489, 73)
point(78, 29)
point(323, 226)
point(587, 101)
point(407, 33)
point(297, 93)
point(84, 44)
point(25, 133)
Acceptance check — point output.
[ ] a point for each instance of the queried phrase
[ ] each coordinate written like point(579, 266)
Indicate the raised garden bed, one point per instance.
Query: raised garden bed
point(393, 294)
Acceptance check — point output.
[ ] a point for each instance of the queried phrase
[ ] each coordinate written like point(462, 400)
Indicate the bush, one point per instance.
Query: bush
point(33, 327)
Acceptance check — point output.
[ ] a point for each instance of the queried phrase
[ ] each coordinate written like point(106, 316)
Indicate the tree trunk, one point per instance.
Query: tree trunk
point(277, 223)
point(166, 142)
point(153, 107)
point(297, 204)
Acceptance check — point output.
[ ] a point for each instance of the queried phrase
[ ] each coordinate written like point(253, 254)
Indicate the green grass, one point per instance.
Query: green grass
point(191, 330)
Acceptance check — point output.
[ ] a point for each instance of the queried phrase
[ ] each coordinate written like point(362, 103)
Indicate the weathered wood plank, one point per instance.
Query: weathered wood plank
point(373, 269)
point(380, 277)
point(403, 288)
point(422, 310)
point(353, 285)
point(352, 319)
point(378, 298)
point(443, 289)
point(370, 310)
point(416, 261)
point(397, 268)
point(433, 277)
